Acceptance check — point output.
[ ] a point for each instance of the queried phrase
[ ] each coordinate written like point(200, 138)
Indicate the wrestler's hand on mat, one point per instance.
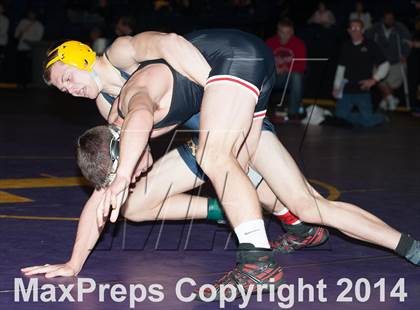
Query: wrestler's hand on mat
point(115, 195)
point(51, 271)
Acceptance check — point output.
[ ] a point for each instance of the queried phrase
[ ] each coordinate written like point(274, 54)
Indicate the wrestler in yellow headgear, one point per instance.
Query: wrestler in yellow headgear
point(72, 53)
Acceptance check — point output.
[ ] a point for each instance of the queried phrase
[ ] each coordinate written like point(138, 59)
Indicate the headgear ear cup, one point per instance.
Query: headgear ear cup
point(114, 147)
point(73, 53)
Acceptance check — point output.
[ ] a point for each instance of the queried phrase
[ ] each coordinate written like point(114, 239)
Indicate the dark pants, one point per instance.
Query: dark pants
point(2, 64)
point(364, 116)
point(295, 88)
point(24, 67)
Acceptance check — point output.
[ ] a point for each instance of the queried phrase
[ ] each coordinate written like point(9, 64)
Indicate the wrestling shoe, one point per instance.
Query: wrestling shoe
point(292, 241)
point(254, 267)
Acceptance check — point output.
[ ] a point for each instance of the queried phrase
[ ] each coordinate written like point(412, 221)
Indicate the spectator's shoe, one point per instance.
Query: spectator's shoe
point(393, 103)
point(389, 103)
point(383, 105)
point(291, 241)
point(254, 267)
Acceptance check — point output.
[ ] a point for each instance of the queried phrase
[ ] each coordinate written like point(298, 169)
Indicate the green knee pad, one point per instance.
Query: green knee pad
point(215, 212)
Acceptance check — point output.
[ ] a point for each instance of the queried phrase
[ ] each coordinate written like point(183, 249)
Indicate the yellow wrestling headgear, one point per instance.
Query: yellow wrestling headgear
point(73, 53)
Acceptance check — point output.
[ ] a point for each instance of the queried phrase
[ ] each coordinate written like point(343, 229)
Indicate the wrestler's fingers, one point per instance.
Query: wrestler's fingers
point(100, 212)
point(106, 206)
point(114, 215)
point(114, 201)
point(107, 202)
point(26, 269)
point(42, 270)
point(100, 215)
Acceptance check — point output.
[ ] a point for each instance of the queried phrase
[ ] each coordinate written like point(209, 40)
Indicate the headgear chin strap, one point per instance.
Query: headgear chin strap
point(97, 80)
point(73, 53)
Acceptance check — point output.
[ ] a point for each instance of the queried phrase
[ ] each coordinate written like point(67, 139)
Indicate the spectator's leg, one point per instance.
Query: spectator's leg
point(413, 66)
point(277, 103)
point(28, 73)
point(280, 86)
point(296, 91)
point(367, 117)
point(19, 67)
point(385, 89)
point(2, 54)
point(393, 81)
point(24, 66)
point(344, 107)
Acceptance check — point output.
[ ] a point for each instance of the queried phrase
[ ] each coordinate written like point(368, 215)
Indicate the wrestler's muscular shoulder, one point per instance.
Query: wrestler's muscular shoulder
point(121, 54)
point(153, 82)
point(126, 52)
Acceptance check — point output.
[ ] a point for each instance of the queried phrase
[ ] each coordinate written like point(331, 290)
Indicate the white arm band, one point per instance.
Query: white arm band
point(381, 71)
point(339, 76)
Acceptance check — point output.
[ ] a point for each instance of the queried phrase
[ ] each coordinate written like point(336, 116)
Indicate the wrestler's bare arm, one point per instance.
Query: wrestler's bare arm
point(135, 131)
point(135, 134)
point(139, 101)
point(184, 57)
point(88, 232)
